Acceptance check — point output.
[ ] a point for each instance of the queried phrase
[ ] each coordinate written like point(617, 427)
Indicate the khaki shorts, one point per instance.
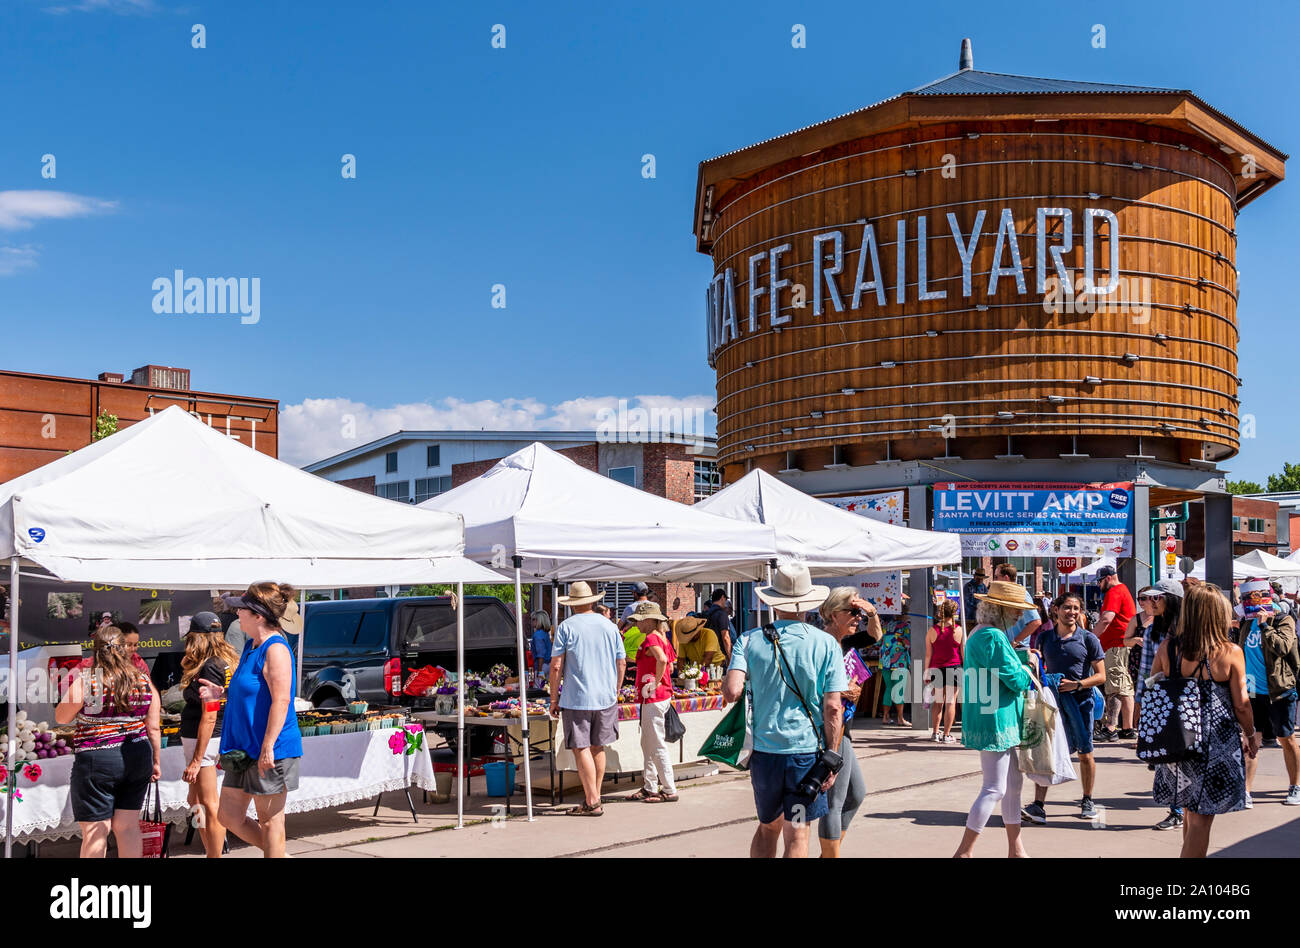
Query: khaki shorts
point(1118, 680)
point(589, 728)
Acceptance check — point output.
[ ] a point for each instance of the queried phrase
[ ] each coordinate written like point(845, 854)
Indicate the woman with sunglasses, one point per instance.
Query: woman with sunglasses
point(260, 742)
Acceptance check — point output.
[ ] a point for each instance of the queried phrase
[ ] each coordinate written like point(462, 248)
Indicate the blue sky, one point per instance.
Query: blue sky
point(519, 166)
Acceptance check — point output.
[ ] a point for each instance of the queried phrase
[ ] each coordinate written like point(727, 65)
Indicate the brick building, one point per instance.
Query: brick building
point(42, 417)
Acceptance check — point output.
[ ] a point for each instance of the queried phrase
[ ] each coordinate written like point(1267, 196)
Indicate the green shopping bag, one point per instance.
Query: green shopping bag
point(732, 741)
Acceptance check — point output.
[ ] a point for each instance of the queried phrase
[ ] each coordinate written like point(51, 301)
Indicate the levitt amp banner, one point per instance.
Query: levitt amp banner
point(1041, 520)
point(882, 590)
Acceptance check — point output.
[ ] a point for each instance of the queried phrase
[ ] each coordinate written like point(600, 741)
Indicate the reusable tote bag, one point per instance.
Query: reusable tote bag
point(732, 741)
point(1037, 730)
point(1170, 725)
point(1062, 770)
point(153, 831)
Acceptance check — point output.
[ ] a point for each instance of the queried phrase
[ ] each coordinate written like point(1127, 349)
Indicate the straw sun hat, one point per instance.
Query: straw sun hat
point(647, 610)
point(580, 594)
point(1007, 594)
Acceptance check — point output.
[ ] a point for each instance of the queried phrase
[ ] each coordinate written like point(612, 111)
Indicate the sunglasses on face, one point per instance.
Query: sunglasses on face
point(1150, 598)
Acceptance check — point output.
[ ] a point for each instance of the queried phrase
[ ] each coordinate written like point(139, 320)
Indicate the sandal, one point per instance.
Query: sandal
point(583, 810)
point(664, 798)
point(642, 794)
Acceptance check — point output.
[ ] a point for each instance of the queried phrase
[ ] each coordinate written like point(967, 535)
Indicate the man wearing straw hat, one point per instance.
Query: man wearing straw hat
point(588, 656)
point(795, 674)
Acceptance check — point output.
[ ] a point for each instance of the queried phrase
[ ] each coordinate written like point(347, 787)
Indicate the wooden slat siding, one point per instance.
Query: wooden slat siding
point(1006, 342)
point(1156, 111)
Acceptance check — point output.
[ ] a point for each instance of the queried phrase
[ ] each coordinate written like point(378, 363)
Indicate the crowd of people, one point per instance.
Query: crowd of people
point(796, 674)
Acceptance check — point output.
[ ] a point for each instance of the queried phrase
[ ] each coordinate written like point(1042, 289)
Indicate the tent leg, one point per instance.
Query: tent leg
point(14, 678)
point(961, 599)
point(460, 705)
point(523, 688)
point(302, 634)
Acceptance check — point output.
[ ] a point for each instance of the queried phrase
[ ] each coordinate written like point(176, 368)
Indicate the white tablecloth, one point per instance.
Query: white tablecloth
point(335, 769)
point(624, 755)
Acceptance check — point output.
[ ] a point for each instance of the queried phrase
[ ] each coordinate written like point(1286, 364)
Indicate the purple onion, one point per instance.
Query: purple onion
point(60, 743)
point(42, 754)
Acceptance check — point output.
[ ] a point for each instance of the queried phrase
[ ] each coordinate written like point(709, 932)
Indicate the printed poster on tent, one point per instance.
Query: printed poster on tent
point(882, 590)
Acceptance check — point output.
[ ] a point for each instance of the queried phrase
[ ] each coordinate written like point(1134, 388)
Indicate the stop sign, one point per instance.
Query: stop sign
point(1170, 544)
point(1066, 564)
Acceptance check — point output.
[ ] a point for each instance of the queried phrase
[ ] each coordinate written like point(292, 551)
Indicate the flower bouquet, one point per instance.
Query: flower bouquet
point(498, 674)
point(689, 675)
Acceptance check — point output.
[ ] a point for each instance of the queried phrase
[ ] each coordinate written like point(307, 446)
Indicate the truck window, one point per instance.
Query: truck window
point(331, 630)
point(432, 627)
point(373, 633)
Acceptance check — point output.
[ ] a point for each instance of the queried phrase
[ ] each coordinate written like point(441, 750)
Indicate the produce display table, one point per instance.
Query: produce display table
point(539, 736)
point(700, 715)
point(335, 770)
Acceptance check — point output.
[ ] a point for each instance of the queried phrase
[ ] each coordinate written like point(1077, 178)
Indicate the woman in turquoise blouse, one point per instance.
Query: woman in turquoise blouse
point(993, 707)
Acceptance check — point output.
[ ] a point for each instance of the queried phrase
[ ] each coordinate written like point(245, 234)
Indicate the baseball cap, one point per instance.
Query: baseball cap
point(1107, 571)
point(205, 622)
point(640, 588)
point(1169, 587)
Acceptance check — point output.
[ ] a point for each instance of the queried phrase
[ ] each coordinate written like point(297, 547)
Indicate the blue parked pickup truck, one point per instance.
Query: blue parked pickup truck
point(366, 648)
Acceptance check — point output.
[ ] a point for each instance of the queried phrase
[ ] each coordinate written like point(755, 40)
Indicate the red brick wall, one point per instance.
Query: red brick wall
point(583, 454)
point(364, 484)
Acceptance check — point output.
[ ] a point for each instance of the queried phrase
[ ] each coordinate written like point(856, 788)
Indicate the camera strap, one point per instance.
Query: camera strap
point(774, 637)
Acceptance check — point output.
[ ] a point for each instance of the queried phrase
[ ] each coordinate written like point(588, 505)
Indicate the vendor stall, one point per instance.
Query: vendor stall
point(335, 770)
point(170, 502)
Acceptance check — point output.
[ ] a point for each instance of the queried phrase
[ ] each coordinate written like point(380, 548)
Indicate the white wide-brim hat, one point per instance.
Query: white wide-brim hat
point(792, 589)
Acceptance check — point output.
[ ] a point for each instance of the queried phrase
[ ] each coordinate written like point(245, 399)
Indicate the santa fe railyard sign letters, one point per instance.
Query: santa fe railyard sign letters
point(845, 276)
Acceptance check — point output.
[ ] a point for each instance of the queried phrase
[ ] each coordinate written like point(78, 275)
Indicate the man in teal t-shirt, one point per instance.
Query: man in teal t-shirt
point(779, 665)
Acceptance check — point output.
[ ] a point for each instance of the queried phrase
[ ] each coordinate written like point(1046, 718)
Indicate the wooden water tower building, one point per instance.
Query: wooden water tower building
point(989, 277)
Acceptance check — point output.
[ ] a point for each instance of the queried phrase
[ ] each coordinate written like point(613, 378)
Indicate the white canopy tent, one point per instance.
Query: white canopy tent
point(1088, 573)
point(1239, 572)
point(831, 541)
point(539, 513)
point(171, 502)
point(1260, 564)
point(567, 523)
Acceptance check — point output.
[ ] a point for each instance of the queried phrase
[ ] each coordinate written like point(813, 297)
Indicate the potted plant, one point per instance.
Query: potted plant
point(689, 675)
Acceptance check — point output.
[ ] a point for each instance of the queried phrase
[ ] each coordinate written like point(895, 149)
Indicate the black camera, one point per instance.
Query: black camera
point(828, 762)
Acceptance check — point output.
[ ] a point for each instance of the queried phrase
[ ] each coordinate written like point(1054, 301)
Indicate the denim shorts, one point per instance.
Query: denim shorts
point(774, 778)
point(1281, 714)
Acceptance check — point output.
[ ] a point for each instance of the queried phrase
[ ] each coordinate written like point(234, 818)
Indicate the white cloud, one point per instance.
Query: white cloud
point(13, 259)
point(20, 210)
point(318, 428)
point(111, 6)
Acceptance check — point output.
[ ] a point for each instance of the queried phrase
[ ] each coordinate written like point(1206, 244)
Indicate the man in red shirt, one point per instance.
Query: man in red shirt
point(1117, 611)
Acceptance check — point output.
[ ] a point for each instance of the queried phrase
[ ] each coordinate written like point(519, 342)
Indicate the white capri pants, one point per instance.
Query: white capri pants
point(1002, 781)
point(658, 774)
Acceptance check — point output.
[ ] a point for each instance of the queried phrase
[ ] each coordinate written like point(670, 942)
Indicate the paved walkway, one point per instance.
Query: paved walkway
point(918, 797)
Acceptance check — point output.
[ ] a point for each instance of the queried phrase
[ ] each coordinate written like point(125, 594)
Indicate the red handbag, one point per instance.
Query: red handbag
point(154, 833)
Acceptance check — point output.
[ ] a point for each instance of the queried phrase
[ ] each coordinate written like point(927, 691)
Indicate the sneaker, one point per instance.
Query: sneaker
point(1105, 736)
point(1128, 734)
point(1034, 813)
point(936, 738)
point(1292, 797)
point(1250, 804)
point(949, 739)
point(1086, 809)
point(1172, 821)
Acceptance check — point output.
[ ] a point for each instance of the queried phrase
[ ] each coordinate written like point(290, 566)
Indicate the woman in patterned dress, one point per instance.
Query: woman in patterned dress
point(1200, 649)
point(895, 662)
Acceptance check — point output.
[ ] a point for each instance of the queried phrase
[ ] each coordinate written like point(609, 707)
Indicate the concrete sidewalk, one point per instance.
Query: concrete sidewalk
point(918, 797)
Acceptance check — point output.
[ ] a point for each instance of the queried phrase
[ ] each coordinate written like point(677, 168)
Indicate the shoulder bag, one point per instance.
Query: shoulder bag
point(1171, 725)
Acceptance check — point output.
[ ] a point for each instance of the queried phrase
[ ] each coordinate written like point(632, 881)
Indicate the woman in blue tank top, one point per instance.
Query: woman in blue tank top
point(260, 742)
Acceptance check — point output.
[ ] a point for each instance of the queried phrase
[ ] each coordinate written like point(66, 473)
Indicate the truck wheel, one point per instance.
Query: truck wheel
point(330, 699)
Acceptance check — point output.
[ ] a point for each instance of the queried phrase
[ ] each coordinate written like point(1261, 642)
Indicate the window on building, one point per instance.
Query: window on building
point(390, 462)
point(426, 487)
point(396, 490)
point(1236, 524)
point(1255, 525)
point(624, 475)
point(433, 455)
point(708, 480)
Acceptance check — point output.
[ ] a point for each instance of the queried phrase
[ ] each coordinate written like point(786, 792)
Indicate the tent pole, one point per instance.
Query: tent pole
point(961, 600)
point(767, 571)
point(460, 705)
point(523, 688)
point(302, 634)
point(13, 700)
